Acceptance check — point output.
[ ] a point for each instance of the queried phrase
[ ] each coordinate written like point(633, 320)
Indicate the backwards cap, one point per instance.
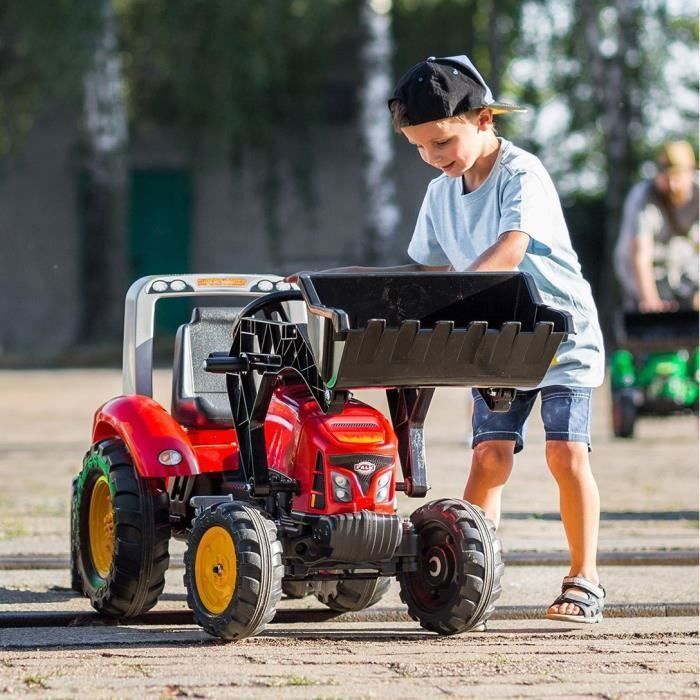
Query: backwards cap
point(438, 88)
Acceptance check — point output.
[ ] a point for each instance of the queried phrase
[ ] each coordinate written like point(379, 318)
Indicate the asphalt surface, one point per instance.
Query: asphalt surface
point(52, 645)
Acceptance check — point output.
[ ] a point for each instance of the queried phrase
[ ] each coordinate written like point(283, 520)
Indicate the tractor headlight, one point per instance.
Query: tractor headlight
point(265, 286)
point(383, 480)
point(170, 458)
point(342, 490)
point(282, 286)
point(178, 286)
point(383, 483)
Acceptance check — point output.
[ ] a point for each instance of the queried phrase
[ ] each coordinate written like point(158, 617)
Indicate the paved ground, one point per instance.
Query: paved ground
point(653, 657)
point(649, 490)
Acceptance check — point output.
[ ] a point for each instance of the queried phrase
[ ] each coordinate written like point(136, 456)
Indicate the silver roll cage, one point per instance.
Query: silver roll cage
point(144, 294)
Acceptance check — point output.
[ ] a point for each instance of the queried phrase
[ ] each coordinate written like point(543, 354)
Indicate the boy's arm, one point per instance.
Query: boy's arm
point(504, 255)
point(413, 267)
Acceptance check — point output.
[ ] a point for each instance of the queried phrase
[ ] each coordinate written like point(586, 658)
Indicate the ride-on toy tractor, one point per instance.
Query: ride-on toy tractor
point(278, 479)
point(655, 370)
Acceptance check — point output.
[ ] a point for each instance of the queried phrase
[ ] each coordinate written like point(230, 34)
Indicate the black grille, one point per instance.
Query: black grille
point(349, 462)
point(318, 495)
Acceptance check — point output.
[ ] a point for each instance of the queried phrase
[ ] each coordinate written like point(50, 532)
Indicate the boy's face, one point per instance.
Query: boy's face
point(450, 145)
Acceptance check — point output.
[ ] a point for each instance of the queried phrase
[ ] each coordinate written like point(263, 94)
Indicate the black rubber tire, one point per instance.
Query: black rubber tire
point(624, 414)
point(459, 567)
point(297, 589)
point(140, 512)
point(76, 581)
point(350, 595)
point(258, 583)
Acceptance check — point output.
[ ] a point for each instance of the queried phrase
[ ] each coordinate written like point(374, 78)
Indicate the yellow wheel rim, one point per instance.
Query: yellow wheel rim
point(215, 569)
point(101, 527)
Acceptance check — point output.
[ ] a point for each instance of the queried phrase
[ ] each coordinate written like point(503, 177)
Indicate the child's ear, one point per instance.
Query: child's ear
point(485, 119)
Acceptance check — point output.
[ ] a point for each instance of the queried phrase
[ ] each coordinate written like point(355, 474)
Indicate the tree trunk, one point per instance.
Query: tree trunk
point(613, 102)
point(105, 260)
point(382, 218)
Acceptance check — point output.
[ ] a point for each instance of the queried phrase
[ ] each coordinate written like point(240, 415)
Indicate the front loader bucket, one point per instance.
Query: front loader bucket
point(431, 329)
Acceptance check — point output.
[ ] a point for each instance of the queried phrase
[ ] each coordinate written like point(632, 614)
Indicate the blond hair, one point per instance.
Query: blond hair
point(399, 119)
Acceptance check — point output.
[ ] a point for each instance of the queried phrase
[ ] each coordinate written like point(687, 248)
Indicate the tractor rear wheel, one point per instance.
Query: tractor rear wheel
point(624, 413)
point(120, 533)
point(76, 581)
point(459, 568)
point(233, 570)
point(346, 595)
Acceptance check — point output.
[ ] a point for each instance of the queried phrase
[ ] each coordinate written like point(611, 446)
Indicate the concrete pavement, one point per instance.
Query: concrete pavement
point(649, 494)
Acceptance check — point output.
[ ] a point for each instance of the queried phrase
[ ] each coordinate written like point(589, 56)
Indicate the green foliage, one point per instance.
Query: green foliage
point(234, 71)
point(486, 30)
point(45, 47)
point(257, 77)
point(615, 87)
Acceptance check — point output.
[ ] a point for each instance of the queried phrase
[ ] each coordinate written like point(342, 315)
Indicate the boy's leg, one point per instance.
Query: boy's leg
point(492, 462)
point(497, 436)
point(579, 505)
point(566, 415)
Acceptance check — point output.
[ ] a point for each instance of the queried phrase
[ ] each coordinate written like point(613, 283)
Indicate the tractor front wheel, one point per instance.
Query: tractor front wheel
point(120, 531)
point(459, 567)
point(233, 570)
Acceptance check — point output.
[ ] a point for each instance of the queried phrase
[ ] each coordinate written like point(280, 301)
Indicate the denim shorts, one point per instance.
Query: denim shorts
point(566, 414)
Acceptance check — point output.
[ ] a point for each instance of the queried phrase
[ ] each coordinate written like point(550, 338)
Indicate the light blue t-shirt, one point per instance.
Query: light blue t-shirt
point(455, 227)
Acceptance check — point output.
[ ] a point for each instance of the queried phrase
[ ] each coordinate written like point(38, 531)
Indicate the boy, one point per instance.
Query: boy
point(494, 208)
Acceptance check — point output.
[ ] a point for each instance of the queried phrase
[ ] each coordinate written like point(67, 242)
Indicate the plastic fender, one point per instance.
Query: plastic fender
point(147, 429)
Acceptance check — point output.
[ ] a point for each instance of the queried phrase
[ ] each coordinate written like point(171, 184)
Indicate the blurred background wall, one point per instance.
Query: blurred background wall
point(157, 136)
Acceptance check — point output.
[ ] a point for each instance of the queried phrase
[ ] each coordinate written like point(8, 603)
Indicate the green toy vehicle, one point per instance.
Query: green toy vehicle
point(656, 368)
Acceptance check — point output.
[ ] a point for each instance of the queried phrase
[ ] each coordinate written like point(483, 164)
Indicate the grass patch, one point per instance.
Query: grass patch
point(12, 530)
point(35, 681)
point(45, 509)
point(299, 680)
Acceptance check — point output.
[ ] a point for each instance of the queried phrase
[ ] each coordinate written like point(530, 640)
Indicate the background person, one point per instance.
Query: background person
point(656, 257)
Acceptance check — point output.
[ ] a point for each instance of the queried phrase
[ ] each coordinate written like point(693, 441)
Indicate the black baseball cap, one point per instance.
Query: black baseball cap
point(438, 88)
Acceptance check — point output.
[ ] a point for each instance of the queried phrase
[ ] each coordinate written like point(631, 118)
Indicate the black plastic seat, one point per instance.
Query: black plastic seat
point(199, 398)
